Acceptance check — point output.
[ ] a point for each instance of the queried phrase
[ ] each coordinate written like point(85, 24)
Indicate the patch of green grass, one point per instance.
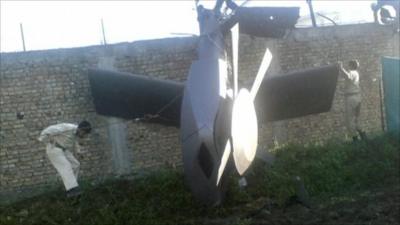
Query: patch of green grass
point(158, 198)
point(162, 198)
point(330, 169)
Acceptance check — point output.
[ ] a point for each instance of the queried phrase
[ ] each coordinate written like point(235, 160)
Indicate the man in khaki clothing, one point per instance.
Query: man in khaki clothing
point(352, 99)
point(61, 140)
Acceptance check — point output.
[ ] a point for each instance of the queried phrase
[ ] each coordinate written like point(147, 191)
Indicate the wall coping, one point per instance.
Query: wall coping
point(187, 43)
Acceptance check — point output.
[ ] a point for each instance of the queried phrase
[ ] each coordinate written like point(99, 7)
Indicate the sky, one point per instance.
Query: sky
point(66, 24)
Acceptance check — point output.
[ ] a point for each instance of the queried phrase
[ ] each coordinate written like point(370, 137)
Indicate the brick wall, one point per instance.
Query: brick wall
point(309, 47)
point(52, 86)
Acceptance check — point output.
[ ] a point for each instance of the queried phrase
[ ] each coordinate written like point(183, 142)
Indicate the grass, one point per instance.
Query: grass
point(330, 170)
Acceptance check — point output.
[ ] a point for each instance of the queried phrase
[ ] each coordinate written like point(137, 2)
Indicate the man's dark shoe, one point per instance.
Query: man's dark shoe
point(74, 192)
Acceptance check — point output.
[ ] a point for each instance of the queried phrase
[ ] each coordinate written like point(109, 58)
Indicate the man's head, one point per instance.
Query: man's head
point(353, 64)
point(84, 128)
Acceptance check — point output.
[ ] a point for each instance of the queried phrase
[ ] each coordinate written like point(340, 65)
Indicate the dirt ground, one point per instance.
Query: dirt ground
point(380, 207)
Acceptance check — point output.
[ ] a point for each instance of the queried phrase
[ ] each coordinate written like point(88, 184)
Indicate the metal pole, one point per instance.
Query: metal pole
point(381, 103)
point(314, 23)
point(104, 35)
point(22, 36)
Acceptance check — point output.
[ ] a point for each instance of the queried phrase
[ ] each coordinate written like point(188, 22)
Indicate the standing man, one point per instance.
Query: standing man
point(61, 140)
point(352, 99)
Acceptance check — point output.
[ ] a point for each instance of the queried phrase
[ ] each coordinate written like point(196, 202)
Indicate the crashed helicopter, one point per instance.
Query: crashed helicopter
point(218, 120)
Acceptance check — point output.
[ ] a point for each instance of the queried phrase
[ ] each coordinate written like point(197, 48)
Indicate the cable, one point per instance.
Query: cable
point(145, 118)
point(325, 17)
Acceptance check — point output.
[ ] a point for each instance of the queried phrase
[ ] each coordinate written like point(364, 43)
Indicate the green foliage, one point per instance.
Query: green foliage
point(330, 169)
point(157, 198)
point(162, 198)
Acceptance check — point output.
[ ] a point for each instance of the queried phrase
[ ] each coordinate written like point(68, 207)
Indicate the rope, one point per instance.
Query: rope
point(215, 43)
point(157, 115)
point(145, 118)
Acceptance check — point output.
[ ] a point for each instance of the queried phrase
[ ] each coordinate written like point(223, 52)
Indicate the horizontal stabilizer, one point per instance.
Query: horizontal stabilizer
point(264, 21)
point(131, 96)
point(297, 94)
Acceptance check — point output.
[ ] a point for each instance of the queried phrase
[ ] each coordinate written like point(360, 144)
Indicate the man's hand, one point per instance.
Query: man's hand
point(51, 139)
point(341, 67)
point(345, 73)
point(78, 148)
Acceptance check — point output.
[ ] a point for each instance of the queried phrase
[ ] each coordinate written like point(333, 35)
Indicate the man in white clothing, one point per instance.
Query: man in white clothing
point(61, 140)
point(352, 99)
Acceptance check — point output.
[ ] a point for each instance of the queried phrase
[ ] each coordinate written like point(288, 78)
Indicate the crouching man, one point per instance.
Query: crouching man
point(61, 141)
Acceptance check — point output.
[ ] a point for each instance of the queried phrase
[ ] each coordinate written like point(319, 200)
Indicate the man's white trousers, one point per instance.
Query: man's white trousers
point(353, 104)
point(66, 165)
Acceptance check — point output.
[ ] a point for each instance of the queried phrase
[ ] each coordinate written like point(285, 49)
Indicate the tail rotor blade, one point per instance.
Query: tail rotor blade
point(244, 131)
point(235, 57)
point(224, 160)
point(266, 61)
point(235, 65)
